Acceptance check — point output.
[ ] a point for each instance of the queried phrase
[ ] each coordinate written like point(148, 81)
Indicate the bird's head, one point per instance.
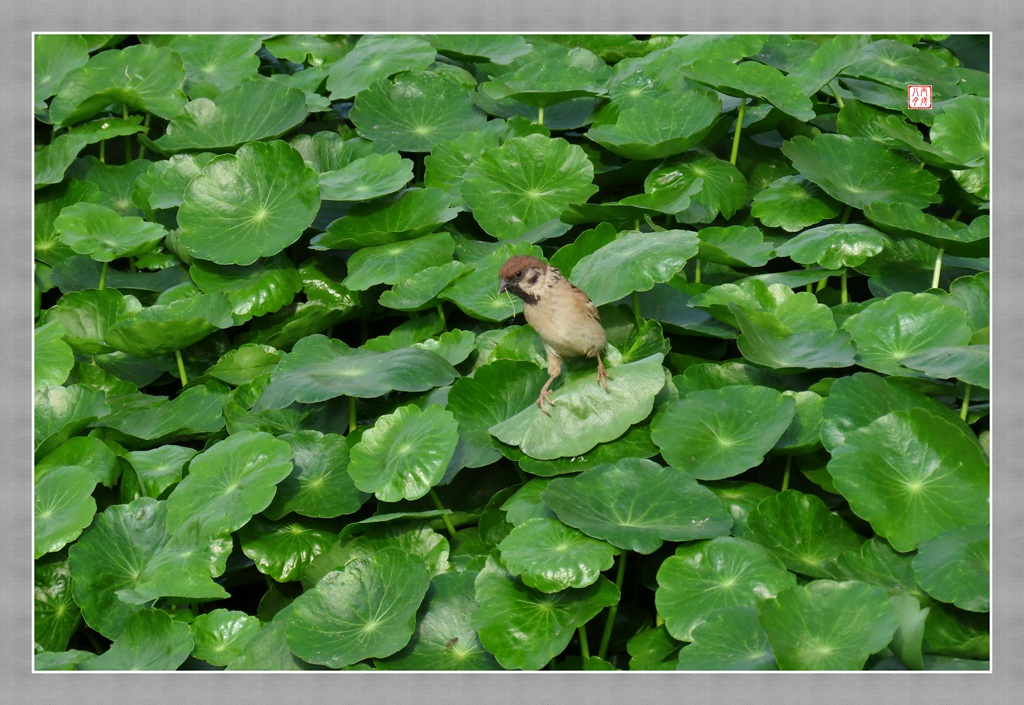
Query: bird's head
point(521, 275)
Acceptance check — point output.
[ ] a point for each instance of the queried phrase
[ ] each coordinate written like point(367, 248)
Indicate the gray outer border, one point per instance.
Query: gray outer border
point(979, 16)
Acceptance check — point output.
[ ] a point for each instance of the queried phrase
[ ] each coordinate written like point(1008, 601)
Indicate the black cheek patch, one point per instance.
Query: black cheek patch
point(527, 298)
point(533, 278)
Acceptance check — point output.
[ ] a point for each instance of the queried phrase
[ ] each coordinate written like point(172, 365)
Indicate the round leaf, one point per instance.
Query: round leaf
point(912, 475)
point(63, 507)
point(143, 77)
point(634, 261)
point(583, 413)
point(166, 327)
point(263, 287)
point(415, 111)
point(859, 171)
point(968, 363)
point(954, 237)
point(229, 482)
point(525, 628)
point(389, 264)
point(104, 235)
point(282, 550)
point(420, 291)
point(56, 616)
point(151, 641)
point(368, 177)
point(319, 484)
point(714, 434)
point(215, 63)
point(405, 453)
point(374, 57)
point(366, 610)
point(730, 640)
point(793, 203)
point(53, 357)
point(550, 556)
point(828, 626)
point(248, 205)
point(799, 529)
point(751, 78)
point(413, 213)
point(320, 368)
point(249, 111)
point(735, 246)
point(550, 73)
point(834, 246)
point(636, 505)
point(444, 639)
point(956, 566)
point(86, 316)
point(707, 576)
point(222, 635)
point(723, 190)
point(890, 330)
point(526, 182)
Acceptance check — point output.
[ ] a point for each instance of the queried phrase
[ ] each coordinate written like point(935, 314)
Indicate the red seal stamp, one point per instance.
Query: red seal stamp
point(919, 97)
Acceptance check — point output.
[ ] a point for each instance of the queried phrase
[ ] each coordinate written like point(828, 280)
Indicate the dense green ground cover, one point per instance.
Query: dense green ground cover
point(283, 419)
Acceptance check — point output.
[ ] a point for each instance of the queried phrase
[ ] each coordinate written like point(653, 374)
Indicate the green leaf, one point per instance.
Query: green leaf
point(834, 246)
point(368, 177)
point(86, 316)
point(658, 125)
point(56, 617)
point(283, 549)
point(61, 412)
point(102, 234)
point(476, 293)
point(828, 60)
point(549, 74)
point(550, 556)
point(319, 484)
point(320, 368)
point(142, 77)
point(767, 340)
point(735, 246)
point(634, 261)
point(962, 130)
point(395, 262)
point(714, 434)
point(420, 291)
point(444, 638)
point(636, 505)
point(704, 577)
point(956, 566)
point(366, 610)
point(170, 326)
point(723, 188)
point(374, 57)
point(264, 287)
point(415, 111)
point(53, 357)
point(583, 413)
point(151, 641)
point(897, 64)
point(750, 78)
point(199, 409)
point(248, 205)
point(413, 213)
point(54, 55)
point(858, 171)
point(968, 363)
point(496, 48)
point(912, 475)
point(222, 635)
point(526, 182)
point(890, 330)
point(245, 363)
point(525, 628)
point(216, 63)
point(793, 203)
point(907, 221)
point(160, 468)
point(800, 529)
point(405, 453)
point(730, 640)
point(128, 552)
point(229, 482)
point(63, 507)
point(252, 110)
point(828, 626)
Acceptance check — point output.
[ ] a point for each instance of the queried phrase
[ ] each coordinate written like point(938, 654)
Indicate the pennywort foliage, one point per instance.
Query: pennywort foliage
point(284, 420)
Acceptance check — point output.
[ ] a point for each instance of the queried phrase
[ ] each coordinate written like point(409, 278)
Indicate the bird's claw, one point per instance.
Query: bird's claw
point(543, 399)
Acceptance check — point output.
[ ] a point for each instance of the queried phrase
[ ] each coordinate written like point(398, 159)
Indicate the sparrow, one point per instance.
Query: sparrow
point(564, 317)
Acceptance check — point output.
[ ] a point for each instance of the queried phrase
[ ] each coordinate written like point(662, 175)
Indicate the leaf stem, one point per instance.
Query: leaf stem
point(636, 305)
point(440, 312)
point(967, 402)
point(696, 272)
point(444, 517)
point(843, 295)
point(584, 646)
point(142, 147)
point(103, 275)
point(786, 473)
point(839, 100)
point(127, 138)
point(181, 368)
point(736, 134)
point(938, 269)
point(352, 414)
point(606, 636)
point(540, 115)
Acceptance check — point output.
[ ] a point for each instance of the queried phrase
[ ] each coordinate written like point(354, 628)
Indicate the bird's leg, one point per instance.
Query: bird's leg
point(554, 369)
point(602, 374)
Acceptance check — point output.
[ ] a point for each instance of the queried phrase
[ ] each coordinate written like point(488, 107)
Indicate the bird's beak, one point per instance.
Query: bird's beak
point(502, 286)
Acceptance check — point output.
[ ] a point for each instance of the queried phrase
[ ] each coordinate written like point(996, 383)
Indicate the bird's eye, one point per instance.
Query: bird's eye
point(519, 274)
